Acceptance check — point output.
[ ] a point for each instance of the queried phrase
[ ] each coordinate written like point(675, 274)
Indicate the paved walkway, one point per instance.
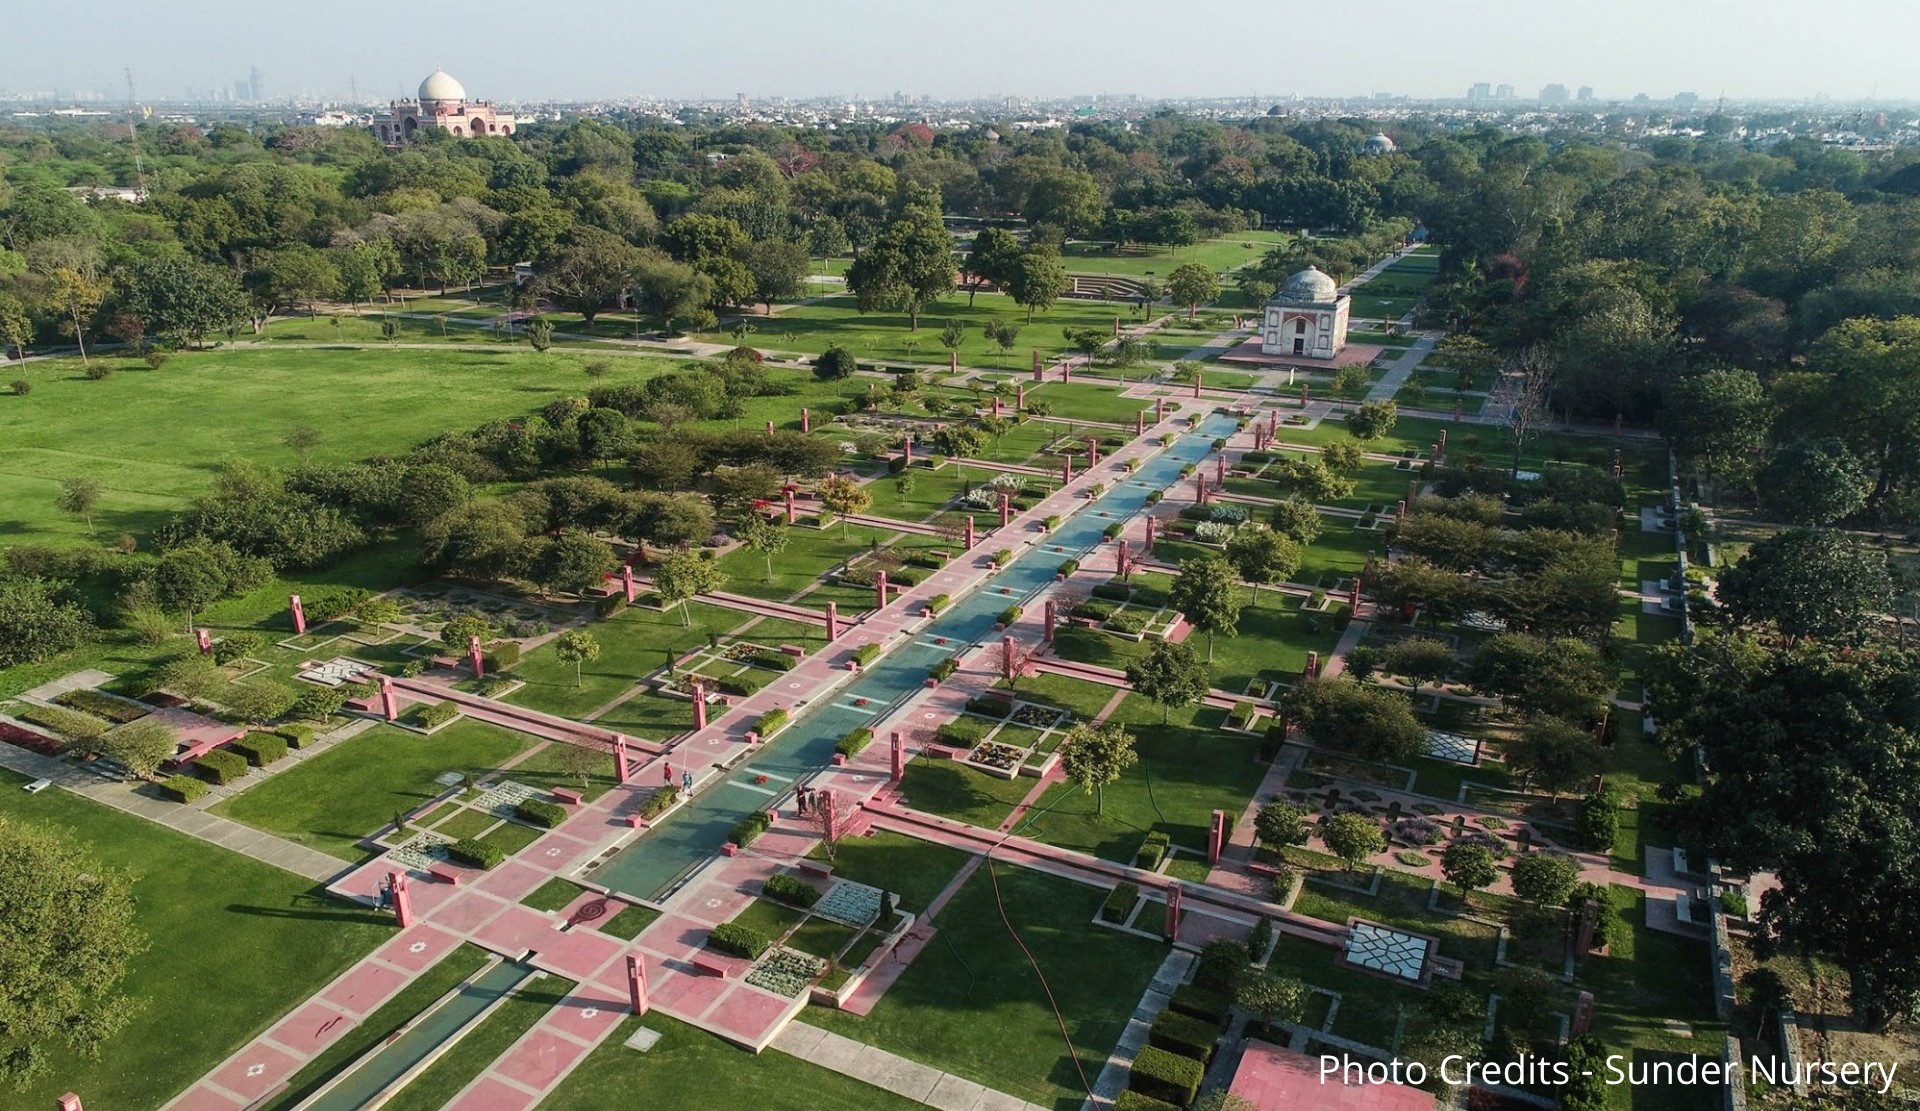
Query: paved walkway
point(128, 798)
point(1402, 368)
point(915, 1081)
point(1113, 1077)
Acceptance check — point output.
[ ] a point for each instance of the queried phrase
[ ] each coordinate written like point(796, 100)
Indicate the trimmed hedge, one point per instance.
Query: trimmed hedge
point(476, 853)
point(988, 705)
point(1205, 1004)
point(260, 749)
point(944, 670)
point(1131, 1100)
point(938, 602)
point(770, 722)
point(71, 724)
point(854, 743)
point(660, 801)
point(1009, 616)
point(541, 812)
point(436, 715)
point(1153, 850)
point(743, 684)
point(1113, 530)
point(1069, 568)
point(962, 733)
point(116, 710)
point(1165, 1075)
point(741, 941)
point(296, 734)
point(502, 655)
point(1003, 557)
point(790, 890)
point(1185, 1035)
point(221, 766)
point(866, 654)
point(748, 829)
point(1113, 590)
point(773, 660)
point(183, 788)
point(1119, 902)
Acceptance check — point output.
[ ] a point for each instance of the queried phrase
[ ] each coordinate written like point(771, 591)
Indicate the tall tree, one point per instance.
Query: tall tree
point(1814, 481)
point(1036, 281)
point(1191, 283)
point(1261, 555)
point(1809, 583)
point(579, 648)
point(588, 271)
point(76, 298)
point(993, 258)
point(1553, 754)
point(1207, 594)
point(1469, 865)
point(1418, 660)
point(910, 267)
point(182, 297)
point(1717, 419)
point(37, 621)
point(844, 496)
point(1171, 674)
point(1093, 756)
point(759, 534)
point(681, 576)
point(1353, 837)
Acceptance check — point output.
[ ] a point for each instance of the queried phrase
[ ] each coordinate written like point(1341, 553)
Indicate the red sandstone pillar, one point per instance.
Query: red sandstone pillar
point(1066, 370)
point(1200, 488)
point(402, 899)
point(908, 448)
point(1159, 409)
point(473, 654)
point(388, 702)
point(1038, 370)
point(1116, 326)
point(1353, 595)
point(806, 421)
point(622, 765)
point(833, 622)
point(626, 582)
point(1313, 665)
point(791, 515)
point(880, 590)
point(204, 639)
point(1220, 470)
point(996, 405)
point(1303, 395)
point(898, 743)
point(1172, 926)
point(1121, 564)
point(1140, 422)
point(969, 531)
point(299, 615)
point(699, 704)
point(70, 1102)
point(1066, 469)
point(1147, 548)
point(1216, 837)
point(1197, 379)
point(1019, 397)
point(637, 983)
point(1006, 508)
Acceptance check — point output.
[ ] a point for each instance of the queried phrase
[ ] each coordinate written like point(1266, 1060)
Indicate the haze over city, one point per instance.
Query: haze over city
point(1765, 49)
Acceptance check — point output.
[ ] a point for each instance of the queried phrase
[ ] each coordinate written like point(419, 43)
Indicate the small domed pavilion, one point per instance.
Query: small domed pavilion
point(442, 103)
point(1306, 317)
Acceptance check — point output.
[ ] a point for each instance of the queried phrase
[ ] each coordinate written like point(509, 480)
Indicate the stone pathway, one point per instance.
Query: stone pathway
point(127, 798)
point(1402, 368)
point(1113, 1077)
point(917, 1082)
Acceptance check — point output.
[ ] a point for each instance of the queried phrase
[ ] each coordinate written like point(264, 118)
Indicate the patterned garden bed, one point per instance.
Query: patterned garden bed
point(786, 971)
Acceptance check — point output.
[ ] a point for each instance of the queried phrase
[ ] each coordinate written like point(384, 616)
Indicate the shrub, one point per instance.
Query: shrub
point(1113, 530)
point(1261, 937)
point(1178, 1033)
point(1153, 850)
point(610, 605)
point(854, 743)
point(1068, 568)
point(1130, 1100)
point(989, 705)
point(296, 734)
point(1284, 877)
point(938, 602)
point(540, 812)
point(1113, 590)
point(97, 371)
point(961, 733)
point(71, 724)
point(260, 749)
point(1206, 1004)
point(319, 703)
point(413, 668)
point(100, 705)
point(1009, 616)
point(1222, 965)
point(742, 684)
point(748, 829)
point(236, 646)
point(1119, 902)
point(944, 670)
point(502, 655)
point(791, 890)
point(1599, 821)
point(741, 941)
point(1002, 557)
point(182, 788)
point(476, 853)
point(660, 801)
point(770, 722)
point(221, 766)
point(436, 715)
point(1165, 1075)
point(866, 654)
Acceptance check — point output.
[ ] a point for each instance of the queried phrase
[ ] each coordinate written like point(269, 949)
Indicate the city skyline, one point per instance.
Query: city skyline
point(861, 48)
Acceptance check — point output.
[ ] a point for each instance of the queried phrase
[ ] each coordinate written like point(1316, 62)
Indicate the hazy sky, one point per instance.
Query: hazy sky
point(964, 48)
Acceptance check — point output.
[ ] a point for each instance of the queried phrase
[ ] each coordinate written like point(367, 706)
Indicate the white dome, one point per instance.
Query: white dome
point(440, 86)
point(1309, 287)
point(1380, 144)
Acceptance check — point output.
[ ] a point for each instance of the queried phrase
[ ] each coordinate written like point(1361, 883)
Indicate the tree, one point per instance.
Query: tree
point(1562, 676)
point(994, 256)
point(1418, 660)
point(835, 363)
point(1261, 555)
point(1093, 756)
point(37, 621)
point(77, 298)
point(573, 561)
point(540, 333)
point(1343, 456)
point(909, 267)
point(70, 941)
point(1296, 519)
point(1063, 202)
point(1372, 420)
point(193, 677)
point(844, 496)
point(1014, 659)
point(1338, 712)
point(1521, 394)
point(963, 441)
point(759, 534)
point(1814, 481)
point(579, 761)
point(1207, 594)
point(193, 576)
point(1553, 754)
point(778, 269)
point(300, 272)
point(1036, 281)
point(16, 327)
point(79, 496)
point(589, 270)
point(670, 291)
point(1353, 837)
point(681, 576)
point(577, 647)
point(1718, 418)
point(1273, 998)
point(1809, 583)
point(140, 746)
point(904, 485)
point(1192, 283)
point(1351, 383)
point(1546, 878)
point(1469, 865)
point(259, 701)
point(1170, 674)
point(181, 296)
point(461, 631)
point(303, 438)
point(1278, 824)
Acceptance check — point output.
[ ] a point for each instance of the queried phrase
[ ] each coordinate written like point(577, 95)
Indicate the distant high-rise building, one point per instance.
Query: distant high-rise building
point(1503, 92)
point(1481, 90)
point(1553, 94)
point(1686, 100)
point(1585, 94)
point(740, 101)
point(256, 85)
point(242, 90)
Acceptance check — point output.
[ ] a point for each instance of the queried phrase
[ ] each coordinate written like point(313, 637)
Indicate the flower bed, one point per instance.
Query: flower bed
point(997, 756)
point(1040, 716)
point(786, 972)
point(850, 904)
point(117, 710)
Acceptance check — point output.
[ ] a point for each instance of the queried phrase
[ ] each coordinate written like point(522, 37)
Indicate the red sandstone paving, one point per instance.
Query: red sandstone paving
point(749, 1013)
point(364, 987)
point(311, 1029)
point(512, 880)
point(467, 913)
point(257, 1072)
point(540, 1059)
point(200, 1097)
point(417, 947)
point(492, 1095)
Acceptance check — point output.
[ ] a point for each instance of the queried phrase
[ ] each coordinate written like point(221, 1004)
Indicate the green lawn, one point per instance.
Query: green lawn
point(915, 870)
point(1647, 978)
point(150, 438)
point(690, 1070)
point(633, 643)
point(1087, 401)
point(234, 944)
point(878, 336)
point(1224, 253)
point(808, 553)
point(347, 792)
point(970, 1004)
point(954, 790)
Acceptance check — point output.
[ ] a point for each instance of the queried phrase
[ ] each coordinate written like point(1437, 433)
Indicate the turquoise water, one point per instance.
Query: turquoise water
point(384, 1066)
point(651, 866)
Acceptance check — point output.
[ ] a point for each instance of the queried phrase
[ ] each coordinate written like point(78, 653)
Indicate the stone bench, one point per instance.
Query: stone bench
point(566, 795)
point(445, 873)
point(1683, 909)
point(817, 867)
point(794, 650)
point(712, 966)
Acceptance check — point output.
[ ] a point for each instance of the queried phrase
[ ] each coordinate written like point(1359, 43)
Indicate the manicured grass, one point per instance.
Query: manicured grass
point(1369, 1003)
point(974, 1007)
point(274, 937)
point(1402, 902)
point(629, 922)
point(690, 1070)
point(555, 894)
point(821, 937)
point(150, 438)
point(340, 796)
point(467, 823)
point(481, 1045)
point(1187, 769)
point(1073, 401)
point(882, 336)
point(809, 553)
point(546, 769)
point(633, 643)
point(512, 837)
point(951, 789)
point(1646, 978)
point(452, 970)
point(914, 870)
point(768, 917)
point(1225, 253)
